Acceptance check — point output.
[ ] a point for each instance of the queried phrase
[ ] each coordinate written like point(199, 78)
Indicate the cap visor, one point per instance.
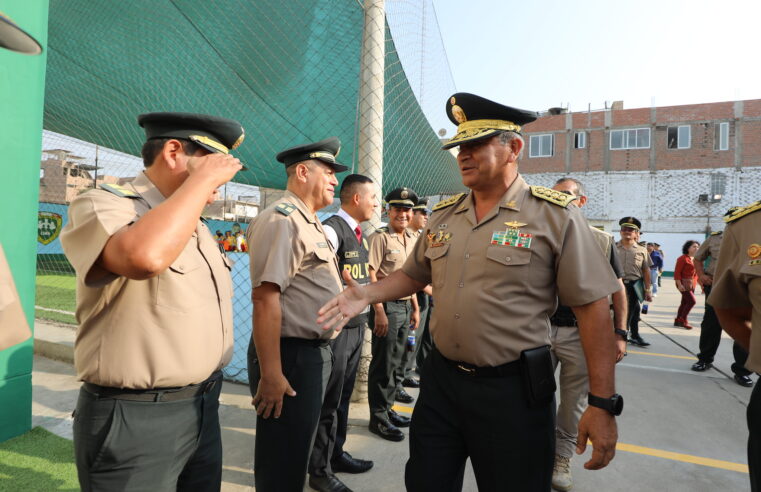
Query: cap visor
point(15, 39)
point(469, 136)
point(339, 168)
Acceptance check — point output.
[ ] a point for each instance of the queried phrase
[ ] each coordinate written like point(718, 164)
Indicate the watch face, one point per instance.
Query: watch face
point(618, 404)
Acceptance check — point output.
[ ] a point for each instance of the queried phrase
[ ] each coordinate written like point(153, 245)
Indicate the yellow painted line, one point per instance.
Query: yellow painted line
point(238, 469)
point(685, 458)
point(660, 355)
point(400, 408)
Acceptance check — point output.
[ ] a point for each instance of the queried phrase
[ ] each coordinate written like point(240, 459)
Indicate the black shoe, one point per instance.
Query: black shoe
point(345, 463)
point(386, 430)
point(701, 366)
point(403, 397)
point(328, 483)
point(638, 341)
point(743, 380)
point(398, 420)
point(410, 383)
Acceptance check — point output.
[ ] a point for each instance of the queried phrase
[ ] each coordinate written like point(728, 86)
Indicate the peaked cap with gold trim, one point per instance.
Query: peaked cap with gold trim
point(632, 222)
point(402, 197)
point(325, 151)
point(213, 133)
point(479, 118)
point(422, 205)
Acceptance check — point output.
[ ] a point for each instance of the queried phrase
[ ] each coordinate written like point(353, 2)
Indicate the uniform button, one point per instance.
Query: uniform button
point(507, 258)
point(467, 256)
point(461, 285)
point(456, 316)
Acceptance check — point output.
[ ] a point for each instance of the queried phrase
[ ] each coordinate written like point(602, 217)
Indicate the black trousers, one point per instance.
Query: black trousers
point(334, 415)
point(414, 356)
point(754, 439)
point(283, 445)
point(710, 338)
point(425, 343)
point(386, 367)
point(158, 446)
point(510, 445)
point(633, 306)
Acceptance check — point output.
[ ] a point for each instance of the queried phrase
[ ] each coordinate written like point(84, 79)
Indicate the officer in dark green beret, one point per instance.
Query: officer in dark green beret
point(154, 304)
point(293, 272)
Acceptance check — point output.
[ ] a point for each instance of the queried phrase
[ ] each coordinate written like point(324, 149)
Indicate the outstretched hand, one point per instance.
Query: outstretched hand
point(349, 303)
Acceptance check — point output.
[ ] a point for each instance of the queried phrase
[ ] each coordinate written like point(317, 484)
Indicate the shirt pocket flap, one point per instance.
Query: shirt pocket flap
point(508, 256)
point(187, 262)
point(437, 252)
point(323, 254)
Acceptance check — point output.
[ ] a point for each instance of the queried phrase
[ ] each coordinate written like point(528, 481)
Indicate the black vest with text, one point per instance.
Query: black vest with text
point(353, 257)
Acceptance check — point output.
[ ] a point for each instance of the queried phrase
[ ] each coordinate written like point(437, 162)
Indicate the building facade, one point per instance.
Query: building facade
point(64, 175)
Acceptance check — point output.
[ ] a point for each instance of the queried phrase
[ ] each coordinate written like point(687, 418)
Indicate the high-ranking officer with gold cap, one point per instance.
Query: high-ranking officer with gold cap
point(293, 272)
point(154, 306)
point(498, 259)
point(636, 262)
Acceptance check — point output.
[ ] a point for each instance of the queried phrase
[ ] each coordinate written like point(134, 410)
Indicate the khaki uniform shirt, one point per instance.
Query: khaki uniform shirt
point(288, 247)
point(493, 300)
point(632, 259)
point(171, 330)
point(709, 248)
point(737, 280)
point(389, 250)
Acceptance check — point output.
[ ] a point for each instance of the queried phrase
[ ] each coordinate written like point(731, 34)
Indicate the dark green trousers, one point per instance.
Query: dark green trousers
point(283, 444)
point(386, 365)
point(159, 446)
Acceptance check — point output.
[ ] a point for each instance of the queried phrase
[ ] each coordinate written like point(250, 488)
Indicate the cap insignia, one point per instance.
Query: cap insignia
point(459, 114)
point(405, 193)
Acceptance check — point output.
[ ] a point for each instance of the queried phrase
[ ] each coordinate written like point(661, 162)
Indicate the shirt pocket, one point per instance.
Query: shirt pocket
point(322, 264)
point(438, 258)
point(506, 266)
point(185, 284)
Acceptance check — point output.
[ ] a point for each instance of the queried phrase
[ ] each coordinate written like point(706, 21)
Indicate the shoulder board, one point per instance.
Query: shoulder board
point(716, 233)
point(382, 229)
point(448, 202)
point(742, 212)
point(552, 196)
point(285, 208)
point(119, 190)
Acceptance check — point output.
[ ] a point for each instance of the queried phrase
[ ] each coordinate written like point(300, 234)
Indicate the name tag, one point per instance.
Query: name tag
point(322, 245)
point(395, 251)
point(351, 254)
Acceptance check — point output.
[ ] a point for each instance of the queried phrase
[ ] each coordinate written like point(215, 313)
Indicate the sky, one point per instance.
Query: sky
point(544, 53)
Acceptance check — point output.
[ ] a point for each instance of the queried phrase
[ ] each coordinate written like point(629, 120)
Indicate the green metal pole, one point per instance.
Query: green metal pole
point(22, 83)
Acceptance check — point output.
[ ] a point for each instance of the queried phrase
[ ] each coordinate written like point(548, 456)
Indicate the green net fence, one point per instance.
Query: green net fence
point(289, 71)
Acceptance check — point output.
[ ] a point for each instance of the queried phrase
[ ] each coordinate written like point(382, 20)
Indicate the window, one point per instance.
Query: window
point(679, 137)
point(580, 140)
point(721, 136)
point(718, 185)
point(540, 146)
point(636, 138)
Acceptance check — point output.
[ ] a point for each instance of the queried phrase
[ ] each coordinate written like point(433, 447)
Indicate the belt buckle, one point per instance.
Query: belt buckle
point(467, 370)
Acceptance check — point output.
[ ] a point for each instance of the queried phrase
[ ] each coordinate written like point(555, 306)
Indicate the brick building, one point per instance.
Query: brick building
point(677, 168)
point(64, 175)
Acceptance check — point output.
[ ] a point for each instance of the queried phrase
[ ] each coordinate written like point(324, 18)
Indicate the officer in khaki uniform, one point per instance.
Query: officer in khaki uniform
point(154, 306)
point(499, 258)
point(710, 328)
point(293, 272)
point(636, 263)
point(389, 248)
point(736, 297)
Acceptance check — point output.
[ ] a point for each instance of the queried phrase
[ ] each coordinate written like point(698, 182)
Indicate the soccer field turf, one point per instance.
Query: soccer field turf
point(56, 292)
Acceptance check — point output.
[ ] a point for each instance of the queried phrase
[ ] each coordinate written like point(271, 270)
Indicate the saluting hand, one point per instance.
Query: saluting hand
point(598, 426)
point(269, 396)
point(217, 168)
point(349, 303)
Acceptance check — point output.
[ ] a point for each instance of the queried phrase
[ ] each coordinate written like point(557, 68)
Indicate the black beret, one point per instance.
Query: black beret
point(325, 150)
point(402, 197)
point(478, 118)
point(632, 222)
point(16, 39)
point(213, 133)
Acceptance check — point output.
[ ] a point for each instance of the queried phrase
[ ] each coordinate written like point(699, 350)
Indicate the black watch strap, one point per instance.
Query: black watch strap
point(623, 333)
point(614, 404)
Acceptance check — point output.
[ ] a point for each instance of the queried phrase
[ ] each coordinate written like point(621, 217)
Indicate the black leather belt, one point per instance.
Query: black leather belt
point(155, 394)
point(563, 322)
point(509, 369)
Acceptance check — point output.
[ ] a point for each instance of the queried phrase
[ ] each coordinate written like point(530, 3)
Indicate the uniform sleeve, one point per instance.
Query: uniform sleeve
point(583, 274)
point(648, 260)
point(93, 218)
point(615, 262)
point(729, 288)
point(704, 251)
point(332, 236)
point(275, 252)
point(418, 266)
point(377, 249)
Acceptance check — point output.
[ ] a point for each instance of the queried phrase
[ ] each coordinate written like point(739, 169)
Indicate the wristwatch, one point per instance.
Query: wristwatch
point(614, 404)
point(623, 333)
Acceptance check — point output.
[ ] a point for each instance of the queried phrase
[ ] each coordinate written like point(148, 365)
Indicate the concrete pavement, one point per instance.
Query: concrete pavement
point(680, 430)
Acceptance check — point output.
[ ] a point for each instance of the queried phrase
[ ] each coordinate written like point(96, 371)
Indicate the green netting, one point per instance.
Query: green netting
point(289, 71)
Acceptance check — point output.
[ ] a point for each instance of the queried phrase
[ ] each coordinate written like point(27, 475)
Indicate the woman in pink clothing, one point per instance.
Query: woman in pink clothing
point(686, 279)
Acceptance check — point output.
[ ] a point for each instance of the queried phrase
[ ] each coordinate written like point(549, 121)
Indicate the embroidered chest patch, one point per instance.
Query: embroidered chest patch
point(512, 237)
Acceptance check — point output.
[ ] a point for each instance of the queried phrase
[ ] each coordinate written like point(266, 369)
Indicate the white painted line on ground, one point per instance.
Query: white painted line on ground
point(54, 310)
point(666, 369)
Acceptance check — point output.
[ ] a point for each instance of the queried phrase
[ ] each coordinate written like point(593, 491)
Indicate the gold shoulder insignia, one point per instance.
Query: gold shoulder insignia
point(716, 233)
point(743, 211)
point(552, 196)
point(119, 190)
point(285, 208)
point(448, 202)
point(382, 229)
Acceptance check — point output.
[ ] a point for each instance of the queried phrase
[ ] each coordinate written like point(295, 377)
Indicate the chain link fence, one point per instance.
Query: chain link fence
point(290, 72)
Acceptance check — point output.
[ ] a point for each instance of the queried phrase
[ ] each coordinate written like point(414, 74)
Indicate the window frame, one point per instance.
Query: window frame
point(576, 139)
point(679, 144)
point(531, 141)
point(717, 142)
point(626, 132)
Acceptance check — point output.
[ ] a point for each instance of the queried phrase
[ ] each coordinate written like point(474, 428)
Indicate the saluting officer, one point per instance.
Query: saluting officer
point(636, 263)
point(499, 258)
point(710, 328)
point(358, 202)
point(736, 297)
point(293, 271)
point(389, 248)
point(154, 305)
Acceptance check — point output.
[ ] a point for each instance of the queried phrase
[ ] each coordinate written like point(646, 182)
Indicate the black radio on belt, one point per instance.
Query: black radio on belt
point(538, 375)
